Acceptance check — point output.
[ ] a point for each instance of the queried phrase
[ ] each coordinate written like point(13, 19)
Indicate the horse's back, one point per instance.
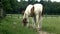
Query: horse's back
point(38, 7)
point(34, 9)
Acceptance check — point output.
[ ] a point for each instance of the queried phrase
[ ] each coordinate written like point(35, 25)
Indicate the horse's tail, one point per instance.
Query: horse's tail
point(43, 11)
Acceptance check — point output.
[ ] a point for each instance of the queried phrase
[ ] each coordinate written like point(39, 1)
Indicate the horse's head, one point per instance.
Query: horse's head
point(25, 21)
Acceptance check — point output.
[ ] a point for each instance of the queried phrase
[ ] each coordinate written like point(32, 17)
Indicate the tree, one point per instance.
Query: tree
point(2, 12)
point(6, 5)
point(21, 0)
point(49, 0)
point(41, 1)
point(14, 4)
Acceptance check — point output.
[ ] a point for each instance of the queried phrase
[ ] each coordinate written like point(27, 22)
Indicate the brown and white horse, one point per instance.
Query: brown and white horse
point(35, 11)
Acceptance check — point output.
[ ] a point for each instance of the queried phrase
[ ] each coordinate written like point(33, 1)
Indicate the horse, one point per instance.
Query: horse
point(36, 12)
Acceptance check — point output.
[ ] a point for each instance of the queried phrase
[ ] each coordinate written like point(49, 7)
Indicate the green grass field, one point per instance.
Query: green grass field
point(52, 24)
point(12, 24)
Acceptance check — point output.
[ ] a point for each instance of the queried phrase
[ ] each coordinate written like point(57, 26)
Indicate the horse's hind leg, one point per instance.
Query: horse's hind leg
point(40, 22)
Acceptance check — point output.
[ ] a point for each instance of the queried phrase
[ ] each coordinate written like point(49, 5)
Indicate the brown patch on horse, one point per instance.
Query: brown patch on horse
point(25, 21)
point(32, 11)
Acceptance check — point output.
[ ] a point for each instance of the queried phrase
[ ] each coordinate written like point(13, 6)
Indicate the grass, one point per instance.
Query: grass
point(51, 24)
point(12, 24)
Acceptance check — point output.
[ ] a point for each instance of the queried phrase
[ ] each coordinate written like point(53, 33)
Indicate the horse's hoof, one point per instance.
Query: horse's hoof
point(39, 29)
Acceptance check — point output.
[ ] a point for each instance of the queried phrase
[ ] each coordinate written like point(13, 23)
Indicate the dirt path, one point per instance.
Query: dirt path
point(44, 32)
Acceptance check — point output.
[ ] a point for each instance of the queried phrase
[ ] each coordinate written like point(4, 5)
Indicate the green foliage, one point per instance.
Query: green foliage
point(52, 8)
point(12, 6)
point(9, 5)
point(6, 5)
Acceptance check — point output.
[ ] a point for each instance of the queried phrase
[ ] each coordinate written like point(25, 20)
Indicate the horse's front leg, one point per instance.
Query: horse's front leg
point(28, 22)
point(37, 21)
point(33, 21)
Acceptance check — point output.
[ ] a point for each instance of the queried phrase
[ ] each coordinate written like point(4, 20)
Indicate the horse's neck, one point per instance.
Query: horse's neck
point(25, 15)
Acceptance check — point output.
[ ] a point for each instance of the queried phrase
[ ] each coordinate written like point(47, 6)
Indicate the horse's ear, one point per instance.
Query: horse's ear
point(23, 11)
